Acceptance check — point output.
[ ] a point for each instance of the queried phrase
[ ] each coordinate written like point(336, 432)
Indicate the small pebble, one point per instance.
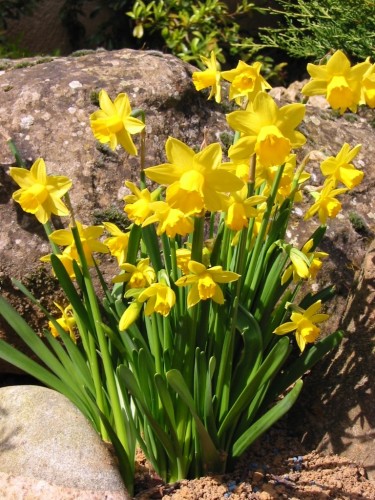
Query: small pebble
point(258, 476)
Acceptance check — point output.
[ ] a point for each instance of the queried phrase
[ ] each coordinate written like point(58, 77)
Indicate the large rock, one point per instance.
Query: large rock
point(336, 413)
point(45, 437)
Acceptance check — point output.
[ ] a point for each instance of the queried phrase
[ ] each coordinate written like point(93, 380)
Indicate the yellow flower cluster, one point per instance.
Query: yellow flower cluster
point(193, 184)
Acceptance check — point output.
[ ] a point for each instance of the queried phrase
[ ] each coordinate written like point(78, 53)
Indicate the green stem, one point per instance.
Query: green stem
point(14, 150)
point(49, 230)
point(198, 238)
point(252, 278)
point(103, 348)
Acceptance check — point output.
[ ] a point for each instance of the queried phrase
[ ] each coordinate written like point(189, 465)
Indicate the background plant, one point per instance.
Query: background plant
point(190, 29)
point(309, 29)
point(11, 10)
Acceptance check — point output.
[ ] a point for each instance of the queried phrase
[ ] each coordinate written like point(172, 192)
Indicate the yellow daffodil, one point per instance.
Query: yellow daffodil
point(195, 180)
point(205, 281)
point(117, 243)
point(314, 258)
point(246, 81)
point(171, 221)
point(139, 276)
point(241, 209)
point(266, 130)
point(89, 236)
point(209, 77)
point(303, 322)
point(305, 264)
point(137, 204)
point(340, 83)
point(40, 194)
point(113, 123)
point(240, 168)
point(66, 321)
point(325, 204)
point(368, 87)
point(183, 257)
point(66, 260)
point(130, 315)
point(267, 175)
point(160, 299)
point(340, 169)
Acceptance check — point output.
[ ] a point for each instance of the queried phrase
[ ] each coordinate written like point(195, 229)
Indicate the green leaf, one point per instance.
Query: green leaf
point(209, 417)
point(305, 362)
point(126, 376)
point(212, 458)
point(267, 371)
point(16, 358)
point(252, 352)
point(69, 289)
point(266, 421)
point(126, 460)
point(31, 339)
point(75, 361)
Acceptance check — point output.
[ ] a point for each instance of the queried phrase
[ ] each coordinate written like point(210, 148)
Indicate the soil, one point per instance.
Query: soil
point(277, 467)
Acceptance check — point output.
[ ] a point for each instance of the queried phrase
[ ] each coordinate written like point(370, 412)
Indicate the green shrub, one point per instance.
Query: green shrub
point(191, 29)
point(311, 28)
point(13, 9)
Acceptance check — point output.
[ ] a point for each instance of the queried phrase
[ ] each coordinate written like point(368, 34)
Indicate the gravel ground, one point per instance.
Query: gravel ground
point(276, 467)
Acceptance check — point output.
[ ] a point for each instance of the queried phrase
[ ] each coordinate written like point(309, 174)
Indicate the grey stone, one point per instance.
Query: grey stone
point(44, 437)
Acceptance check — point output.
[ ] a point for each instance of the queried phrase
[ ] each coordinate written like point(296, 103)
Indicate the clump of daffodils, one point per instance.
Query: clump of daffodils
point(187, 354)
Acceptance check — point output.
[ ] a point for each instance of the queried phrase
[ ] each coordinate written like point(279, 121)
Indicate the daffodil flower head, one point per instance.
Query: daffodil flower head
point(326, 205)
point(183, 257)
point(266, 130)
point(246, 81)
point(339, 169)
point(89, 236)
point(137, 204)
point(171, 220)
point(240, 168)
point(140, 275)
point(288, 178)
point(130, 315)
point(195, 181)
point(117, 243)
point(368, 87)
point(241, 209)
point(338, 81)
point(205, 282)
point(66, 260)
point(66, 321)
point(40, 194)
point(160, 299)
point(303, 322)
point(299, 267)
point(304, 264)
point(113, 123)
point(314, 258)
point(209, 77)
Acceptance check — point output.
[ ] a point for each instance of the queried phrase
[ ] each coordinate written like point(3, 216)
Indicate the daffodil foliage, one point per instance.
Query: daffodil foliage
point(186, 352)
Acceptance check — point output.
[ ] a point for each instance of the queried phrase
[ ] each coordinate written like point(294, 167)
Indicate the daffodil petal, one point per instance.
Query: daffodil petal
point(285, 328)
point(179, 153)
point(106, 104)
point(166, 174)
